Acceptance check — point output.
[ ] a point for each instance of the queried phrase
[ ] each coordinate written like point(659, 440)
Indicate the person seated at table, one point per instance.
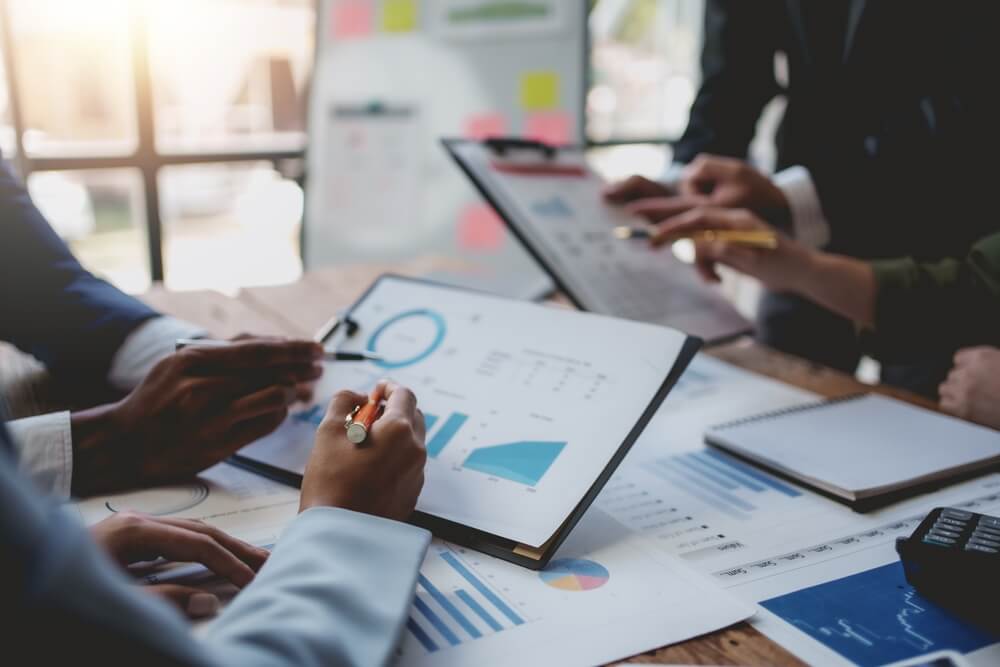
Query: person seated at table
point(885, 123)
point(336, 589)
point(905, 308)
point(185, 412)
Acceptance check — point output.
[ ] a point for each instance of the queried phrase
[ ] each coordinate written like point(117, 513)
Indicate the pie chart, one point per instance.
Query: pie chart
point(575, 574)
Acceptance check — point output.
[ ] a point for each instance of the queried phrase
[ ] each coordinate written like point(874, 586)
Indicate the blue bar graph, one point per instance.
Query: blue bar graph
point(494, 599)
point(313, 415)
point(707, 485)
point(750, 471)
point(712, 475)
point(524, 462)
point(445, 434)
point(478, 609)
point(429, 421)
point(446, 604)
point(730, 472)
point(436, 621)
point(421, 636)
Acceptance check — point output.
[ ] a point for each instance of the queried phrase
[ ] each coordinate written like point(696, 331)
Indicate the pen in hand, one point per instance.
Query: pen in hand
point(329, 355)
point(360, 421)
point(750, 238)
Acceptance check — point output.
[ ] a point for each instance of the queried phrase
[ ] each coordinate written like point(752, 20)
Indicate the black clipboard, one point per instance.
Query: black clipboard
point(502, 147)
point(494, 545)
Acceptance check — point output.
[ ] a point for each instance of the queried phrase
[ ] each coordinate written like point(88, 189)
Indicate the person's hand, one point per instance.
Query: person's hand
point(130, 537)
point(384, 475)
point(972, 389)
point(304, 391)
point(637, 188)
point(718, 182)
point(781, 268)
point(194, 409)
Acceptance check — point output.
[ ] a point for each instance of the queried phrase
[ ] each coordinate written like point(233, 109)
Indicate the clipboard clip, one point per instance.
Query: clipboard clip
point(351, 328)
point(500, 145)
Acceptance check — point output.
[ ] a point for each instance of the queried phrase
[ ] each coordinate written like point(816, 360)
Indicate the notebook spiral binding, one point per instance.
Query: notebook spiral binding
point(774, 414)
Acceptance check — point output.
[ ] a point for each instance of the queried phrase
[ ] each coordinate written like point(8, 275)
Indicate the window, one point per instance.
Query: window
point(243, 92)
point(644, 68)
point(144, 127)
point(243, 211)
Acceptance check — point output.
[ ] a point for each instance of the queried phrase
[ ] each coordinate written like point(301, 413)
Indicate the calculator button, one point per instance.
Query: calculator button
point(956, 514)
point(945, 533)
point(984, 542)
point(945, 521)
point(939, 539)
point(989, 521)
point(980, 548)
point(988, 531)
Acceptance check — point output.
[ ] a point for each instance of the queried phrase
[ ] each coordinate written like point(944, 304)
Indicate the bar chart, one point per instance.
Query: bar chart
point(438, 440)
point(524, 462)
point(720, 481)
point(455, 604)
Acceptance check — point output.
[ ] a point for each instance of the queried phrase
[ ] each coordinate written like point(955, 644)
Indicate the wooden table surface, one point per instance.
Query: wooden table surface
point(301, 308)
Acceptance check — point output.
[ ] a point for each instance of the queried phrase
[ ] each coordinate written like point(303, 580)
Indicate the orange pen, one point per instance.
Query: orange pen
point(360, 421)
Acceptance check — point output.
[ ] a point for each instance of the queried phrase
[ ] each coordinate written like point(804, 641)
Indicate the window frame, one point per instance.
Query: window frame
point(146, 158)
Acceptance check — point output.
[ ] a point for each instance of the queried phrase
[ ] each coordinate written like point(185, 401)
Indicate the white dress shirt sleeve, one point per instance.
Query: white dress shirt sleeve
point(809, 224)
point(152, 341)
point(44, 447)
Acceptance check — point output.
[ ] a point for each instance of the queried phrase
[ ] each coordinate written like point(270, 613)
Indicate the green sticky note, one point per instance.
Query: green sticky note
point(399, 15)
point(539, 90)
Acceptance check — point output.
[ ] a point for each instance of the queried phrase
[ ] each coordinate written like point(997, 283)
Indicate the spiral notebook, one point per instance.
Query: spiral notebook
point(866, 450)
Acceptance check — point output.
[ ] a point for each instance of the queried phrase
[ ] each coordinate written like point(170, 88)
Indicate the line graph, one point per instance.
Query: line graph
point(894, 622)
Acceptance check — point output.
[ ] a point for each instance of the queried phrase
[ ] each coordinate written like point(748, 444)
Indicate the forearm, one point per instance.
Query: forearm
point(842, 284)
point(100, 462)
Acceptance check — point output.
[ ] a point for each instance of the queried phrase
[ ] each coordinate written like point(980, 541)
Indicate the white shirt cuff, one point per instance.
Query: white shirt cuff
point(44, 445)
point(152, 341)
point(808, 222)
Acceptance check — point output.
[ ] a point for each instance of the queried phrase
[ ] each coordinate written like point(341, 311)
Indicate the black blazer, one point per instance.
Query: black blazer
point(50, 306)
point(890, 106)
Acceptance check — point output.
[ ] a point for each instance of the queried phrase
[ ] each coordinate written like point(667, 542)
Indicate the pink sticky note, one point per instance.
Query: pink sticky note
point(480, 228)
point(485, 125)
point(552, 127)
point(351, 19)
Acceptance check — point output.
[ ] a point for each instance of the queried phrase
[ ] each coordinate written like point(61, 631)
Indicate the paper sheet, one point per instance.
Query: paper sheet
point(607, 595)
point(763, 539)
point(524, 406)
point(566, 221)
point(245, 505)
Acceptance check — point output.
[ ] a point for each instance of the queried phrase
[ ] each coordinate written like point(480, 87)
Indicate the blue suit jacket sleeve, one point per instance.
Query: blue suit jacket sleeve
point(336, 591)
point(52, 307)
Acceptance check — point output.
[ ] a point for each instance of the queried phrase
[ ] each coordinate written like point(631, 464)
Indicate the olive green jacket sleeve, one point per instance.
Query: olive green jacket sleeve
point(931, 308)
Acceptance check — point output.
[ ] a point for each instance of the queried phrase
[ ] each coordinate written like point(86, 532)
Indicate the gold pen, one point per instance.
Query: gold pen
point(756, 238)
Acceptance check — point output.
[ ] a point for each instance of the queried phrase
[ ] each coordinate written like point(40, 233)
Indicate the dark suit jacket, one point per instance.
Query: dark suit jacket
point(50, 306)
point(890, 108)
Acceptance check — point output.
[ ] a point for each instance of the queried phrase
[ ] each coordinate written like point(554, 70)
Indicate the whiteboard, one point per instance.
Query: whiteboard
point(395, 76)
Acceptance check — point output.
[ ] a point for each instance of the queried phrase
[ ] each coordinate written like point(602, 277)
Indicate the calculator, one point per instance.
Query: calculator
point(953, 559)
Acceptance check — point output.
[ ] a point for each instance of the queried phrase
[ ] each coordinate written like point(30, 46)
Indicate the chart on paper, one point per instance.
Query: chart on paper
point(471, 609)
point(803, 557)
point(522, 406)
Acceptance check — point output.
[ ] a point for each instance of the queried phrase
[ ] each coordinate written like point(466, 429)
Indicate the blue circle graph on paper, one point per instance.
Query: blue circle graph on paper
point(440, 328)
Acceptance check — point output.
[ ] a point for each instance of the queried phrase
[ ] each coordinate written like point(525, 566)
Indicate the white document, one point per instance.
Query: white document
point(765, 539)
point(606, 595)
point(864, 446)
point(525, 404)
point(241, 503)
point(565, 220)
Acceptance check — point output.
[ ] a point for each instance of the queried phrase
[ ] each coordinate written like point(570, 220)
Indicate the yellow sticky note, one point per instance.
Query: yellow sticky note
point(399, 15)
point(539, 90)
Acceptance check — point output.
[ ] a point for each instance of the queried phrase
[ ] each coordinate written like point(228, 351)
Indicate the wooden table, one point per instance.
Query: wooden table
point(299, 309)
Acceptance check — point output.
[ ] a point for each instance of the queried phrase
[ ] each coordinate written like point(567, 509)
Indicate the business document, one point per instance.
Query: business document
point(805, 559)
point(524, 405)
